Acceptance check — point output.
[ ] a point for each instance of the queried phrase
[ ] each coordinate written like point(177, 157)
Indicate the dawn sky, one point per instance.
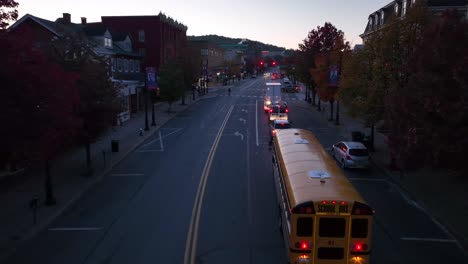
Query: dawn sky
point(281, 23)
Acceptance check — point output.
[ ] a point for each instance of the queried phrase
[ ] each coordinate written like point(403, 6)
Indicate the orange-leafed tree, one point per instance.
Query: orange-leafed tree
point(320, 49)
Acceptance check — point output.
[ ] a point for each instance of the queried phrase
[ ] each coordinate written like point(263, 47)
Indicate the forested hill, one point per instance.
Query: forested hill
point(220, 40)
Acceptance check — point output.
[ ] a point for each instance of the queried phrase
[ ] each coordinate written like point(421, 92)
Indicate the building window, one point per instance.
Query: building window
point(125, 65)
point(382, 16)
point(376, 21)
point(137, 66)
point(132, 66)
point(396, 9)
point(108, 42)
point(204, 52)
point(403, 8)
point(113, 64)
point(119, 65)
point(141, 35)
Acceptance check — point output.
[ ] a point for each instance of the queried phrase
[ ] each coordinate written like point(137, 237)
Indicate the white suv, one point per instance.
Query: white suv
point(351, 154)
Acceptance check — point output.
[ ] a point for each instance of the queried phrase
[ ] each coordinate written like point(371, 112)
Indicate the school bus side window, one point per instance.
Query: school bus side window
point(304, 226)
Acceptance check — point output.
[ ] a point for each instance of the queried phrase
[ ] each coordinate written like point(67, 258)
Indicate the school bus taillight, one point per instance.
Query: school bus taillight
point(302, 245)
point(359, 247)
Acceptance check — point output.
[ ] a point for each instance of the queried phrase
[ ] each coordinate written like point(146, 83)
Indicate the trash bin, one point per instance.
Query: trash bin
point(115, 145)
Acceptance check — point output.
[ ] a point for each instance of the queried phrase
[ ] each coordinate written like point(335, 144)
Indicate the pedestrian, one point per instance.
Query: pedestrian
point(229, 91)
point(142, 132)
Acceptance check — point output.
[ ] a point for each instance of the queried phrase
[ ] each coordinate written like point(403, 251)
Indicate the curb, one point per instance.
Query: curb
point(41, 226)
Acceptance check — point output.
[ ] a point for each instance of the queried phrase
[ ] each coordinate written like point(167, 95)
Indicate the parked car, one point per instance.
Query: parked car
point(278, 124)
point(351, 154)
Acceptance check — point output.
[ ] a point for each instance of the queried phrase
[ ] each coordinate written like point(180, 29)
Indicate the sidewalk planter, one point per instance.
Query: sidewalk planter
point(115, 145)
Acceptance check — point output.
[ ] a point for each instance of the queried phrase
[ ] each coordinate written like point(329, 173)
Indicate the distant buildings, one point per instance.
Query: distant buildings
point(399, 9)
point(209, 56)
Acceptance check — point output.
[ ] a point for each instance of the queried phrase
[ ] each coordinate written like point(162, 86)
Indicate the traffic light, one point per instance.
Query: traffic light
point(261, 63)
point(274, 63)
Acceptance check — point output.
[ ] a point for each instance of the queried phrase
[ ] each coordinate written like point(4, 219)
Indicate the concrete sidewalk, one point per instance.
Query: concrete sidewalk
point(442, 196)
point(16, 223)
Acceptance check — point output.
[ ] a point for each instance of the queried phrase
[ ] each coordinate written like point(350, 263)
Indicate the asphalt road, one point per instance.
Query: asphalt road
point(201, 191)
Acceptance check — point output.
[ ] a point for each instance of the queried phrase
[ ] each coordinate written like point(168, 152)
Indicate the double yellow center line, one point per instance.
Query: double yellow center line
point(192, 237)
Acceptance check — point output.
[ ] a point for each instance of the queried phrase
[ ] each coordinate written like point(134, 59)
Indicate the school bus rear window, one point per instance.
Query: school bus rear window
point(304, 226)
point(332, 227)
point(359, 228)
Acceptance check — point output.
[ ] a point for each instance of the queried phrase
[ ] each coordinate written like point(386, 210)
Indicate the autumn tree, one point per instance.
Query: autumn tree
point(326, 41)
point(171, 82)
point(38, 102)
point(8, 13)
point(98, 106)
point(430, 123)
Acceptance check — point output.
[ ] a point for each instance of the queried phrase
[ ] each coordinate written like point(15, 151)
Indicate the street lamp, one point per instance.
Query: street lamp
point(146, 109)
point(337, 119)
point(153, 120)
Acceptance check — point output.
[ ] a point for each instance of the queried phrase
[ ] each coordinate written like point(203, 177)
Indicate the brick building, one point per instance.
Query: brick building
point(157, 38)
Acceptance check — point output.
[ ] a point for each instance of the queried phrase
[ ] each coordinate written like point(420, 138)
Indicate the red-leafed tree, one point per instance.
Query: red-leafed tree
point(428, 116)
point(98, 104)
point(322, 44)
point(38, 102)
point(8, 13)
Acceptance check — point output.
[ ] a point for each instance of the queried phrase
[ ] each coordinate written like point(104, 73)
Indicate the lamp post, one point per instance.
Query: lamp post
point(146, 109)
point(337, 119)
point(153, 119)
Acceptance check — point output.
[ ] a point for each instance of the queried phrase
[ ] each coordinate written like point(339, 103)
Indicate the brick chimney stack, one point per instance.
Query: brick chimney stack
point(66, 18)
point(83, 20)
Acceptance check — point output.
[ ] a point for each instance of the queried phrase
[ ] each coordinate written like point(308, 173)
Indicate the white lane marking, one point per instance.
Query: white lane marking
point(439, 240)
point(126, 174)
point(256, 121)
point(160, 141)
point(74, 229)
point(239, 134)
point(152, 141)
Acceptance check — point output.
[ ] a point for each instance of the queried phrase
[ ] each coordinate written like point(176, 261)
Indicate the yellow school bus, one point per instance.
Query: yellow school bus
point(323, 218)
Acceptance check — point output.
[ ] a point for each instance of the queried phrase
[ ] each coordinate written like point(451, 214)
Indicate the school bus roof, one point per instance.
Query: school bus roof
point(303, 160)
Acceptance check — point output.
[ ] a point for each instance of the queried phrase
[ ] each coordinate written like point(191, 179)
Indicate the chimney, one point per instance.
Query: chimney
point(66, 18)
point(83, 20)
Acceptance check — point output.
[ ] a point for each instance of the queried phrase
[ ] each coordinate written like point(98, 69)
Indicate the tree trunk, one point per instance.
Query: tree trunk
point(50, 200)
point(371, 145)
point(331, 110)
point(89, 166)
point(313, 97)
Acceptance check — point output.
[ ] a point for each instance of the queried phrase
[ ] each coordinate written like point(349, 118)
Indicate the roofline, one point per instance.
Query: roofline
point(129, 16)
point(35, 19)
